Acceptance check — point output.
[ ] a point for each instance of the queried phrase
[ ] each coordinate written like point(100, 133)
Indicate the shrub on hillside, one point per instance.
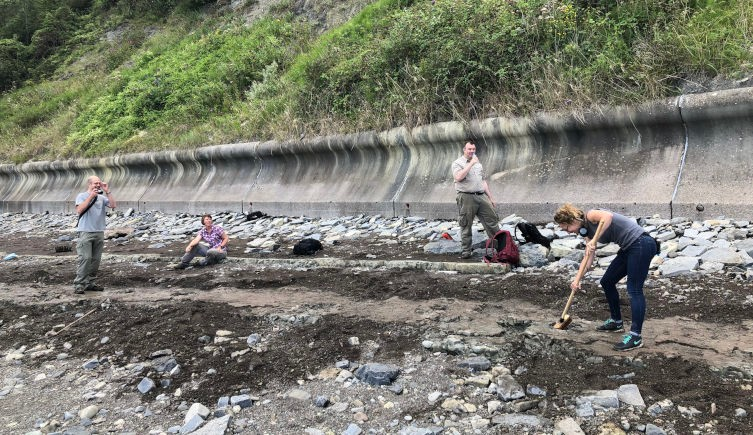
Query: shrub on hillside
point(200, 77)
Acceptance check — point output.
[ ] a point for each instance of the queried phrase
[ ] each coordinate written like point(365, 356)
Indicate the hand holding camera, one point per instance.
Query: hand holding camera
point(102, 189)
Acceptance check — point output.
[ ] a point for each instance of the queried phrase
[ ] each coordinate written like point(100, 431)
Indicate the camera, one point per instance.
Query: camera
point(100, 192)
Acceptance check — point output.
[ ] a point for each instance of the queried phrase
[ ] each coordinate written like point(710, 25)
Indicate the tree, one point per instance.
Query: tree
point(13, 64)
point(54, 31)
point(21, 19)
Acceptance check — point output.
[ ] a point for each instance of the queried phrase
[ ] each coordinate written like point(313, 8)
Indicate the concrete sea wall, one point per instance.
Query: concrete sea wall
point(689, 156)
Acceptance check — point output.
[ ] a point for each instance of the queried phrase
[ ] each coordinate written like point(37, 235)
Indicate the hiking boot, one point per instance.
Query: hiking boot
point(611, 326)
point(181, 266)
point(629, 342)
point(95, 288)
point(78, 290)
point(466, 255)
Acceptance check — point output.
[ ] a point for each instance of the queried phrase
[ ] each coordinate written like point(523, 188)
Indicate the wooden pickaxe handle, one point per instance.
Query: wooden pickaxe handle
point(579, 275)
point(73, 322)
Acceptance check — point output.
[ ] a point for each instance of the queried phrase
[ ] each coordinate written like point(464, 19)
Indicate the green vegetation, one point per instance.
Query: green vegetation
point(198, 78)
point(99, 77)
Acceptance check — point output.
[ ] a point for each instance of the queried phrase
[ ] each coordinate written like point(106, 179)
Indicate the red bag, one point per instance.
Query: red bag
point(502, 249)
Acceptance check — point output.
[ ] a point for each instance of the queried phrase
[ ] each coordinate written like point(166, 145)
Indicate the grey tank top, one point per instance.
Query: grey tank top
point(623, 231)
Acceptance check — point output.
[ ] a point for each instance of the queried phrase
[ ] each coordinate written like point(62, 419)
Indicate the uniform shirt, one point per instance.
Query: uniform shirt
point(93, 221)
point(473, 182)
point(213, 237)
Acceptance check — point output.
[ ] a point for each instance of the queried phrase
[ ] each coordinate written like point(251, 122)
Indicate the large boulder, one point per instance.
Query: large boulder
point(533, 255)
point(679, 266)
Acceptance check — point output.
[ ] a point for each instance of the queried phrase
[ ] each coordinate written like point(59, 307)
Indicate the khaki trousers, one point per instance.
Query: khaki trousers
point(89, 249)
point(469, 206)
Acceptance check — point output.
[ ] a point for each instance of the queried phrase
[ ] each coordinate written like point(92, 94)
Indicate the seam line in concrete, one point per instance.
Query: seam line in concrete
point(151, 181)
point(256, 178)
point(678, 104)
point(404, 169)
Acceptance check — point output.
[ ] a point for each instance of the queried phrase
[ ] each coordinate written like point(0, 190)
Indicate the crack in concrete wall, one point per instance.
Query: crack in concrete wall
point(682, 159)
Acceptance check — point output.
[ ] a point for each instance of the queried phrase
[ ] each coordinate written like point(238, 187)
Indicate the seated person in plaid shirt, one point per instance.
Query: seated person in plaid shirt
point(215, 249)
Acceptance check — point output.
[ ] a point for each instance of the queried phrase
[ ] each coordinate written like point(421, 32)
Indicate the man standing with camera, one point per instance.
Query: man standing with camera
point(90, 208)
point(473, 198)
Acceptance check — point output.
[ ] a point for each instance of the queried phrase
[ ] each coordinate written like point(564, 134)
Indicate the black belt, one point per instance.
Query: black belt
point(474, 193)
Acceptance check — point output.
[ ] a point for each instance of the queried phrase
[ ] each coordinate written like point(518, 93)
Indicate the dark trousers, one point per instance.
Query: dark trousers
point(213, 256)
point(470, 206)
point(632, 262)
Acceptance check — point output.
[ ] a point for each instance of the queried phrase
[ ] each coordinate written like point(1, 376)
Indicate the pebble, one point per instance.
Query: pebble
point(340, 407)
point(508, 388)
point(89, 412)
point(353, 429)
point(654, 430)
point(475, 364)
point(630, 395)
point(253, 339)
point(243, 401)
point(299, 395)
point(91, 364)
point(568, 426)
point(196, 409)
point(191, 425)
point(146, 385)
point(377, 374)
point(395, 388)
point(535, 390)
point(433, 397)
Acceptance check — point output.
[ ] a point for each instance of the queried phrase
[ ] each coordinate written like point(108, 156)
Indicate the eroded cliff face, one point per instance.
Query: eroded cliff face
point(323, 14)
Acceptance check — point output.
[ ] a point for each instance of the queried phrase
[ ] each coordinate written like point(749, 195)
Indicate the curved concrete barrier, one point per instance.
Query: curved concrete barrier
point(718, 167)
point(666, 157)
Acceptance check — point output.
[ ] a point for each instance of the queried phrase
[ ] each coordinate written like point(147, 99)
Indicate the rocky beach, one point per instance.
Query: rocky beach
point(385, 330)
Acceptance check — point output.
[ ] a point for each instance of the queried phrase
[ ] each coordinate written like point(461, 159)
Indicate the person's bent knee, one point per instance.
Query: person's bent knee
point(215, 256)
point(608, 283)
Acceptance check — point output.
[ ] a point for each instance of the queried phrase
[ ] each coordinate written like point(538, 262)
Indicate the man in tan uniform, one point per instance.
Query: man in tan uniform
point(473, 198)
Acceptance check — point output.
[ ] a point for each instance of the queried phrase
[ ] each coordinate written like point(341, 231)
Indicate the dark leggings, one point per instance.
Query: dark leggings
point(632, 262)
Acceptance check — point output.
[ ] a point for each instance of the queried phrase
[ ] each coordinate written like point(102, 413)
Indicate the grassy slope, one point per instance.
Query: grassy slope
point(208, 79)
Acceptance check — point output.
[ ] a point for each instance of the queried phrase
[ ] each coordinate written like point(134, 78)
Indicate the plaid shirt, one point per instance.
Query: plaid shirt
point(213, 237)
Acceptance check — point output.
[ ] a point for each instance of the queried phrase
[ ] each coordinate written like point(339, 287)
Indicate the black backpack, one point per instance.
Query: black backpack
point(254, 215)
point(531, 234)
point(307, 247)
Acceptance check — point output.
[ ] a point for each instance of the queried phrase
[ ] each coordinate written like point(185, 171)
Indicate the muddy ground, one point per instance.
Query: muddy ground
point(698, 352)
